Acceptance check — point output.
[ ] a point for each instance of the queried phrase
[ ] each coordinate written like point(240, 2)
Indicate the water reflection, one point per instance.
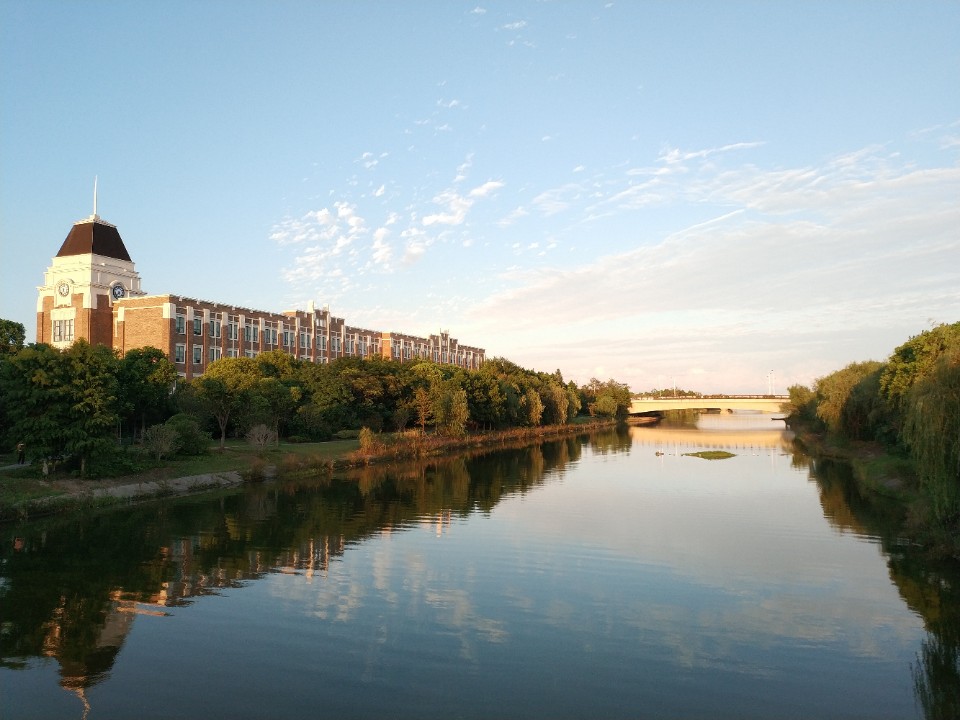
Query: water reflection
point(72, 587)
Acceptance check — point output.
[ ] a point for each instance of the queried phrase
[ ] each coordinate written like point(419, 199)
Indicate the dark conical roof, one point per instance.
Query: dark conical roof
point(93, 235)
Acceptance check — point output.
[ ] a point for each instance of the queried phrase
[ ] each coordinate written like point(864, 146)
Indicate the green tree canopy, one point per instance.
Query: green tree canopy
point(12, 336)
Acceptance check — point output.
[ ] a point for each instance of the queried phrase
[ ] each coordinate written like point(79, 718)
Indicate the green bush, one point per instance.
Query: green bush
point(193, 439)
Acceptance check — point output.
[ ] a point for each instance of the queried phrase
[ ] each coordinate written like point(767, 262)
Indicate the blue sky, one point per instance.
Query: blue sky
point(697, 193)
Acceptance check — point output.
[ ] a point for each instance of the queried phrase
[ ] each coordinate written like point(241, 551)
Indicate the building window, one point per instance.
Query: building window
point(197, 354)
point(231, 352)
point(322, 342)
point(198, 326)
point(251, 333)
point(62, 330)
point(232, 331)
point(214, 328)
point(304, 340)
point(180, 353)
point(214, 353)
point(287, 338)
point(181, 325)
point(270, 335)
point(250, 353)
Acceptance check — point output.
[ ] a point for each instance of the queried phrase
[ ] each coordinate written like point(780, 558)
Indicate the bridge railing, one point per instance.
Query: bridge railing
point(711, 397)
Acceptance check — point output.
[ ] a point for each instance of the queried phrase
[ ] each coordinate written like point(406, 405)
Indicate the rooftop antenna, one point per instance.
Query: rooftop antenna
point(94, 196)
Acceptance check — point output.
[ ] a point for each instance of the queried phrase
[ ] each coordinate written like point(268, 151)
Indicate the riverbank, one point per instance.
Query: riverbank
point(881, 475)
point(25, 494)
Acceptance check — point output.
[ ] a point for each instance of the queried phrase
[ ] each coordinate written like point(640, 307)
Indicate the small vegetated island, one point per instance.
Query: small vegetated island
point(711, 454)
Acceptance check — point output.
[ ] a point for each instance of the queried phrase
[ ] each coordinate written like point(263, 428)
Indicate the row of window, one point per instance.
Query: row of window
point(63, 330)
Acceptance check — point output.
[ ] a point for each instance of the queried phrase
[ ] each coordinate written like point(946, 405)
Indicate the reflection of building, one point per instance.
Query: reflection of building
point(92, 290)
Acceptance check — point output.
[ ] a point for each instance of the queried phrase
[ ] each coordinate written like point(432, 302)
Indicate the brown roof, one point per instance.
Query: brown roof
point(94, 236)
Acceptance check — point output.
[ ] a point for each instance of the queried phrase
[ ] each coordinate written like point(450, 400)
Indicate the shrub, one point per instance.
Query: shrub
point(193, 440)
point(160, 440)
point(260, 436)
point(370, 442)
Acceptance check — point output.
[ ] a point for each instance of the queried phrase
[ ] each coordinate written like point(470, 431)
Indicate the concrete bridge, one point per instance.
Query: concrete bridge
point(763, 403)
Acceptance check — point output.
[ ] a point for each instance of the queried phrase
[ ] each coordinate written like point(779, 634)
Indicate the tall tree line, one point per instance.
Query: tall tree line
point(910, 402)
point(79, 402)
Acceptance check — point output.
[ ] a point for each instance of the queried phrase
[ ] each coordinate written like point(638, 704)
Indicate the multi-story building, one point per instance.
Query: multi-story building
point(92, 290)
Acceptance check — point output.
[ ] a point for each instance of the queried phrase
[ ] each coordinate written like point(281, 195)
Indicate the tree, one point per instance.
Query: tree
point(224, 389)
point(277, 401)
point(931, 428)
point(802, 404)
point(191, 439)
point(93, 399)
point(834, 392)
point(147, 379)
point(573, 400)
point(533, 407)
point(12, 336)
point(450, 409)
point(915, 359)
point(423, 402)
point(160, 440)
point(34, 385)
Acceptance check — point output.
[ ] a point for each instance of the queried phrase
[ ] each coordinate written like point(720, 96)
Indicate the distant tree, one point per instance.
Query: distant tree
point(12, 336)
point(450, 409)
point(533, 406)
point(605, 406)
point(573, 400)
point(401, 416)
point(931, 429)
point(835, 391)
point(915, 359)
point(802, 403)
point(423, 402)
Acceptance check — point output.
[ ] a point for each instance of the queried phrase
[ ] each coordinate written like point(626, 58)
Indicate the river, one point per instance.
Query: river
point(606, 575)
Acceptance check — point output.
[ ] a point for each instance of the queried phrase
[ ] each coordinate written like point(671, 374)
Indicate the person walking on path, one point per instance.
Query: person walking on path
point(21, 453)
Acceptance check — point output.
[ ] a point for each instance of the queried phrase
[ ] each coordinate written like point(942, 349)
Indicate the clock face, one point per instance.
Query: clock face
point(118, 292)
point(64, 289)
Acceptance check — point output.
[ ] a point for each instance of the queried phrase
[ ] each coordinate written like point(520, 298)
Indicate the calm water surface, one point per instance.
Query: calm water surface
point(600, 576)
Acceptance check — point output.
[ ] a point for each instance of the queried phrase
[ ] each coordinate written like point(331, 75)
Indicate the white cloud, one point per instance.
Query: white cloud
point(511, 217)
point(486, 189)
point(456, 209)
point(801, 269)
point(518, 25)
point(551, 202)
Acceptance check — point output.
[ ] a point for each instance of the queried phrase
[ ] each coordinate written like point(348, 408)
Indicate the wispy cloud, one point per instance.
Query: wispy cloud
point(865, 243)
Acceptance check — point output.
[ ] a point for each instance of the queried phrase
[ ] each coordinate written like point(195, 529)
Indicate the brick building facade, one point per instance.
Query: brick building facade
point(92, 290)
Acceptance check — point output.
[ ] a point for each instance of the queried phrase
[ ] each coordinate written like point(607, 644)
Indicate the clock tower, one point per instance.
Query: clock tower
point(88, 275)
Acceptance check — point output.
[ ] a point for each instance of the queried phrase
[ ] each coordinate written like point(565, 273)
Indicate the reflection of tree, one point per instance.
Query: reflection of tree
point(70, 586)
point(930, 589)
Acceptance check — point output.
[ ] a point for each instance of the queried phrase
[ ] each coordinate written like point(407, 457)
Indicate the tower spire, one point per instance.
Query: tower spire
point(94, 196)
